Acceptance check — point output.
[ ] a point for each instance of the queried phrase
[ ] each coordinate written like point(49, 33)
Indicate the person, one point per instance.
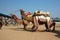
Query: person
point(14, 17)
point(6, 21)
point(28, 14)
point(0, 22)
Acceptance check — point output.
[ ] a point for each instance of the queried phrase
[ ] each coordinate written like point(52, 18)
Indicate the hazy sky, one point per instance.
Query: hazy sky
point(13, 6)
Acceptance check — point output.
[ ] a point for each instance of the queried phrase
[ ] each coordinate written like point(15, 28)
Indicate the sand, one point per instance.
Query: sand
point(14, 32)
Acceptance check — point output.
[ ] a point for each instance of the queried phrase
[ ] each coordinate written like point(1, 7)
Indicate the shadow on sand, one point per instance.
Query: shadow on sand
point(57, 33)
point(17, 29)
point(29, 30)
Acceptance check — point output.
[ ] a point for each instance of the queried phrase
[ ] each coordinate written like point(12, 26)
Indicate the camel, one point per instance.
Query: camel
point(33, 20)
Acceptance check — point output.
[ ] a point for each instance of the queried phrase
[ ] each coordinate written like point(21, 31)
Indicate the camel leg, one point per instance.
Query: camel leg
point(46, 26)
point(49, 23)
point(25, 26)
point(25, 23)
point(53, 25)
point(36, 24)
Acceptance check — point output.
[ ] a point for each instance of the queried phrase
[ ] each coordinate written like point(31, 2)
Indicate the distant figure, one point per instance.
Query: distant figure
point(16, 19)
point(28, 14)
point(0, 22)
point(5, 21)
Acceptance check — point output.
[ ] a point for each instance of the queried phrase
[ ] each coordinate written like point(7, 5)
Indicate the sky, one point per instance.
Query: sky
point(13, 6)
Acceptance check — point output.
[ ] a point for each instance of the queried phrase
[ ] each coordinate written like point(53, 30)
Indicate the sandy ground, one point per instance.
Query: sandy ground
point(13, 32)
